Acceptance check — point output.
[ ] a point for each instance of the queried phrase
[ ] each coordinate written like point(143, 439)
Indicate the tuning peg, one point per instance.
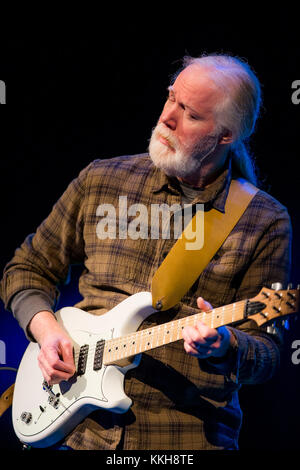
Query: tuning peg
point(298, 286)
point(276, 285)
point(290, 286)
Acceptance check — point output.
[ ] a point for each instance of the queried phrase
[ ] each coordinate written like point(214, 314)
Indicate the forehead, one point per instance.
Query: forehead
point(195, 87)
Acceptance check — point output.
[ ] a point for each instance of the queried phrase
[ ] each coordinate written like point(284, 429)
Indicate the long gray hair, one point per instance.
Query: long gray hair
point(239, 109)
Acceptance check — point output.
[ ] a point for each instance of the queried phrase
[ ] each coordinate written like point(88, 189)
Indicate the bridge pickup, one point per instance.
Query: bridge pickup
point(82, 359)
point(99, 354)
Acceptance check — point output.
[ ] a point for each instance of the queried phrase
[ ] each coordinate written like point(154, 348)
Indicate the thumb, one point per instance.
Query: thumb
point(203, 304)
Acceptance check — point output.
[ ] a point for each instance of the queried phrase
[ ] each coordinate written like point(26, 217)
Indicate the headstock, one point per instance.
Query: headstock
point(277, 304)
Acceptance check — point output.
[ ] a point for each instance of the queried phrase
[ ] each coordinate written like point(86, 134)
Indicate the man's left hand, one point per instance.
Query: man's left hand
point(202, 341)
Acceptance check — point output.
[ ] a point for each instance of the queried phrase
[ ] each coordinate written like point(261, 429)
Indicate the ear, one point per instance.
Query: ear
point(226, 137)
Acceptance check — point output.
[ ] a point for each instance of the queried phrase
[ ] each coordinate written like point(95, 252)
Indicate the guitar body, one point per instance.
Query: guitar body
point(42, 416)
point(105, 348)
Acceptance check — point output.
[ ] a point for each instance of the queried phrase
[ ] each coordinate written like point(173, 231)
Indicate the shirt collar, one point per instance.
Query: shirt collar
point(215, 194)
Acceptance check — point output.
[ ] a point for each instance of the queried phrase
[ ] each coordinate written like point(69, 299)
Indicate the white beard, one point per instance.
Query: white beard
point(180, 161)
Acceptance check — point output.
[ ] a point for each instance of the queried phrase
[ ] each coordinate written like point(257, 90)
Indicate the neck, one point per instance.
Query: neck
point(208, 173)
point(117, 350)
point(201, 181)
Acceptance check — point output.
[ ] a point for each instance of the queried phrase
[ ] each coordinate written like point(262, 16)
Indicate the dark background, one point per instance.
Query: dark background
point(72, 100)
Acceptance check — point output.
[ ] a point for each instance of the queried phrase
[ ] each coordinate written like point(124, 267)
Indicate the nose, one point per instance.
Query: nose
point(168, 117)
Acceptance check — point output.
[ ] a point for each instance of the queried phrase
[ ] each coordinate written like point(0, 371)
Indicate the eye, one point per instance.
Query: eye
point(193, 117)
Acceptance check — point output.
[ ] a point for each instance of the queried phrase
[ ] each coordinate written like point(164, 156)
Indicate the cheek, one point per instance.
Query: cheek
point(189, 135)
point(188, 138)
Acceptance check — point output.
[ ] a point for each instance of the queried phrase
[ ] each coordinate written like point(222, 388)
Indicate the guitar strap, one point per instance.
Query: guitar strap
point(195, 248)
point(6, 399)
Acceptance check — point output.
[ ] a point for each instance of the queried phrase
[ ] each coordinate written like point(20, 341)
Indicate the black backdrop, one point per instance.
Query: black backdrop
point(73, 100)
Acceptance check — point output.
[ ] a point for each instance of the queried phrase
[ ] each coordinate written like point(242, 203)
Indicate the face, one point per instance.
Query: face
point(186, 130)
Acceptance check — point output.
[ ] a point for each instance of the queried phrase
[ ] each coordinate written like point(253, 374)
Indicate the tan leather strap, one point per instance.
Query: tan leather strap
point(6, 399)
point(183, 265)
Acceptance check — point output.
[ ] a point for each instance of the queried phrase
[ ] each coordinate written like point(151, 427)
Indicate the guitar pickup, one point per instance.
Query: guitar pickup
point(99, 355)
point(82, 359)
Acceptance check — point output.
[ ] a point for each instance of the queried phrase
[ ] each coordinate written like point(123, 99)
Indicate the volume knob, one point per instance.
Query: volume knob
point(26, 417)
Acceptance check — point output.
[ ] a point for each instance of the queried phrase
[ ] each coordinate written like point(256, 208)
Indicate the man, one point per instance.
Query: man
point(183, 397)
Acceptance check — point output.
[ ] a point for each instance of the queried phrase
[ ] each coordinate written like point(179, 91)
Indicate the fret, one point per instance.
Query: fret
point(132, 343)
point(142, 337)
point(148, 335)
point(135, 343)
point(172, 332)
point(165, 333)
point(170, 339)
point(159, 335)
point(116, 349)
point(178, 329)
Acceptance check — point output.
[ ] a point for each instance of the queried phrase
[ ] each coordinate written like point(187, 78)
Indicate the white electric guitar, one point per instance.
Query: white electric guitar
point(105, 348)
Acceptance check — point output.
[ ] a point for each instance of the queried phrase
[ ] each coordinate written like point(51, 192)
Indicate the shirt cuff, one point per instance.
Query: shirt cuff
point(227, 365)
point(27, 303)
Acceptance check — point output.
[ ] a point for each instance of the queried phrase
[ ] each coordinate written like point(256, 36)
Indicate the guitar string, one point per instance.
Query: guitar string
point(226, 314)
point(161, 333)
point(111, 345)
point(189, 319)
point(159, 328)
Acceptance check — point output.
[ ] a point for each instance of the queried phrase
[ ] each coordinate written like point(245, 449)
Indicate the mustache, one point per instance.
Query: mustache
point(166, 133)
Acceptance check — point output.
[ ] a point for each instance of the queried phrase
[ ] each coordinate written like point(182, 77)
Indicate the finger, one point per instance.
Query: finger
point(52, 375)
point(207, 334)
point(53, 361)
point(192, 336)
point(45, 375)
point(199, 351)
point(190, 349)
point(67, 354)
point(196, 339)
point(196, 348)
point(186, 334)
point(203, 304)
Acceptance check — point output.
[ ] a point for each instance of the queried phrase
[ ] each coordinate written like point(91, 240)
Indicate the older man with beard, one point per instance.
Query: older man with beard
point(184, 397)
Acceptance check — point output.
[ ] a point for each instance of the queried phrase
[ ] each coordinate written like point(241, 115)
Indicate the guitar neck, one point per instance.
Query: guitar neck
point(117, 349)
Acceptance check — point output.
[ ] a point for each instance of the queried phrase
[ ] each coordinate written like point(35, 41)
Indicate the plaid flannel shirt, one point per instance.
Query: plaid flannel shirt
point(179, 401)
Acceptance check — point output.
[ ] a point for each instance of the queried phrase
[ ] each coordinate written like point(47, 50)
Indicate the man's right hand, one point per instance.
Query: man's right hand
point(56, 355)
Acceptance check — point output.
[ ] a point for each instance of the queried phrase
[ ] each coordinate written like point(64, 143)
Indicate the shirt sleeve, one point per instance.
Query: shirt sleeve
point(254, 356)
point(27, 303)
point(43, 260)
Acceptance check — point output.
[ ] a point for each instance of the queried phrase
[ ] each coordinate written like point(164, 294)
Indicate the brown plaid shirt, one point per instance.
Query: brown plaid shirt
point(179, 402)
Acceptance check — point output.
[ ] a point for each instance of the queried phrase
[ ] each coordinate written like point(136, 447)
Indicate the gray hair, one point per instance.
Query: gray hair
point(240, 107)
